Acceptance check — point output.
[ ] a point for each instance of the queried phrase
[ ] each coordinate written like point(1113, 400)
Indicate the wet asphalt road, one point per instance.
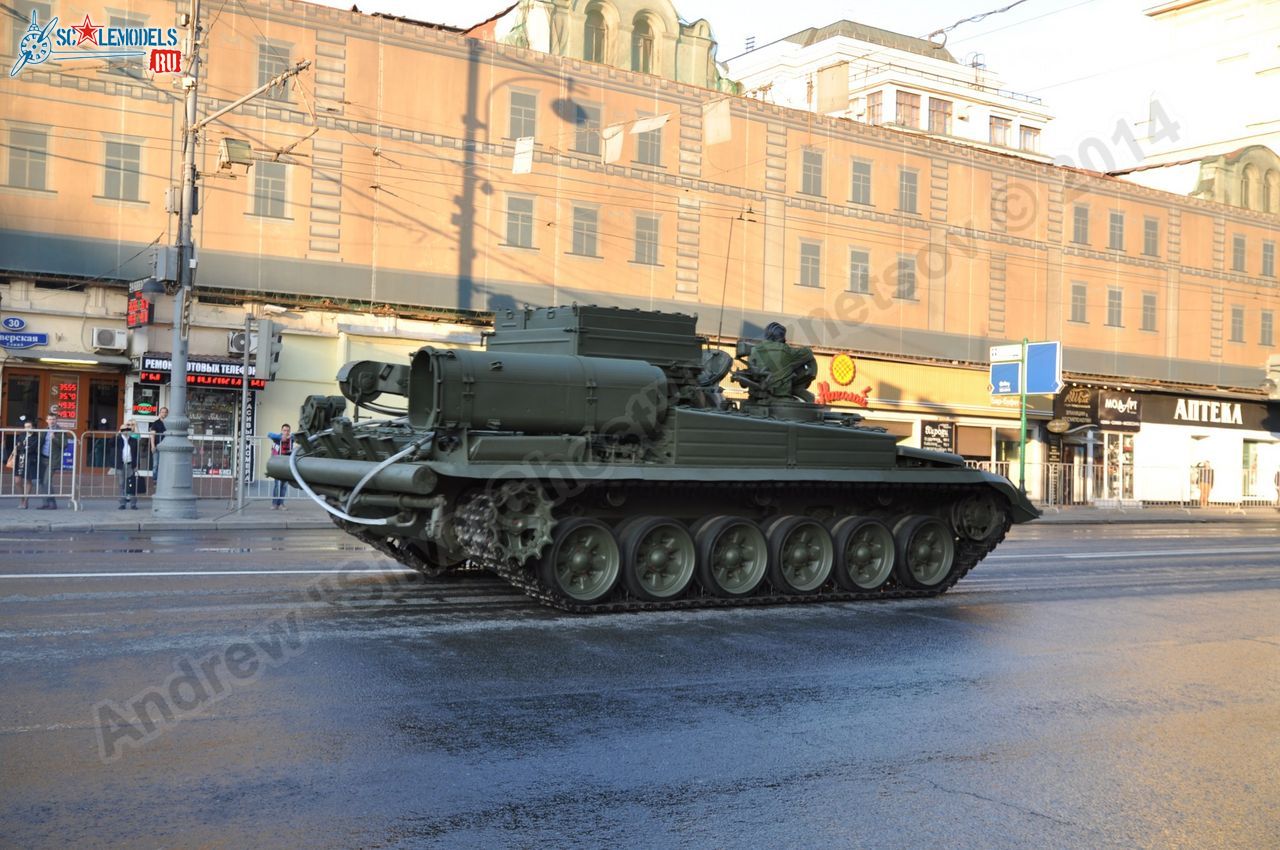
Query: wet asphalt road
point(1086, 686)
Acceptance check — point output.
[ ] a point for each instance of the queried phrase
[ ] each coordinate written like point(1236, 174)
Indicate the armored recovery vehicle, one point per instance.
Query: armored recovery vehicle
point(589, 457)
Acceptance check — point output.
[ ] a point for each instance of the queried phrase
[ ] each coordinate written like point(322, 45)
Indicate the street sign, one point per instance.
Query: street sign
point(1044, 368)
point(1005, 378)
point(1057, 426)
point(23, 340)
point(1006, 353)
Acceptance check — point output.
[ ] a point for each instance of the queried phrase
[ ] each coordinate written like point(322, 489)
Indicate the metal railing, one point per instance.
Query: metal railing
point(39, 465)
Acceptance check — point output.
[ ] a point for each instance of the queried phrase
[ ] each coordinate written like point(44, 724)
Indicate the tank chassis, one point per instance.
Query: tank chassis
point(589, 457)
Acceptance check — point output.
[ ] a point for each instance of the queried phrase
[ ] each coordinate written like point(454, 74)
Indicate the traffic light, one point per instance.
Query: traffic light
point(270, 341)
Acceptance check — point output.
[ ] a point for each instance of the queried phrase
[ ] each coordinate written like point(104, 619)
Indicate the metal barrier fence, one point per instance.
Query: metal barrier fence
point(39, 466)
point(1138, 485)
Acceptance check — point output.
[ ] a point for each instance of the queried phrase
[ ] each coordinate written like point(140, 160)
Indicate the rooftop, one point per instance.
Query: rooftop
point(873, 35)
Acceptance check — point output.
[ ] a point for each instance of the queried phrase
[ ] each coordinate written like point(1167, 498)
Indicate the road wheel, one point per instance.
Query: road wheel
point(732, 556)
point(977, 517)
point(926, 551)
point(801, 554)
point(658, 557)
point(583, 561)
point(865, 552)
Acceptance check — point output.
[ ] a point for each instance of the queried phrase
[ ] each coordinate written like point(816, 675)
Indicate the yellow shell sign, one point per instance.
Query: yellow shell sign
point(843, 369)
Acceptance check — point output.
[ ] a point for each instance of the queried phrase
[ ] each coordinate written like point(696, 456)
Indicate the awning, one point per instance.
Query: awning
point(68, 358)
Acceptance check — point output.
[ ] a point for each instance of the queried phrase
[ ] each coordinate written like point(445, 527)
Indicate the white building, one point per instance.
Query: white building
point(871, 75)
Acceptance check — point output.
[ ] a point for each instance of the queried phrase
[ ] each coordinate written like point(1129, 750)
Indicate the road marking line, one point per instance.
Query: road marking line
point(206, 573)
point(1145, 553)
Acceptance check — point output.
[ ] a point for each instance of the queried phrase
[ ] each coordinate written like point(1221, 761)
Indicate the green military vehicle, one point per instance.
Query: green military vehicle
point(589, 456)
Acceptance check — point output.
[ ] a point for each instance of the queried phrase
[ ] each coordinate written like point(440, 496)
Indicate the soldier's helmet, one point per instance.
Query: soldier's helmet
point(775, 332)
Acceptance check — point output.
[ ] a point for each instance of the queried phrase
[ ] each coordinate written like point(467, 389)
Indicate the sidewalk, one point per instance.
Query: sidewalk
point(102, 515)
point(214, 514)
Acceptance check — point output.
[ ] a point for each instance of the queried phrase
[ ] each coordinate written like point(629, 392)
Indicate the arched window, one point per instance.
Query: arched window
point(593, 33)
point(642, 47)
point(1247, 182)
point(1271, 192)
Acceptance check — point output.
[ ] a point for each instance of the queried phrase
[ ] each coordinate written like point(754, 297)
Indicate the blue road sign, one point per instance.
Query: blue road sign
point(1044, 368)
point(23, 340)
point(1005, 378)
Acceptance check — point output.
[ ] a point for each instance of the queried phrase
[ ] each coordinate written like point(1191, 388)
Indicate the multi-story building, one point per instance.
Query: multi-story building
point(418, 172)
point(873, 76)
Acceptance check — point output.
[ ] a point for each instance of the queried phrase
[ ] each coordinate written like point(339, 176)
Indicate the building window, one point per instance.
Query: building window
point(1115, 233)
point(810, 263)
point(1148, 311)
point(593, 36)
point(1267, 331)
point(1151, 237)
point(907, 190)
point(811, 173)
point(860, 191)
point(875, 107)
point(1079, 301)
point(1115, 307)
point(586, 224)
point(940, 116)
point(1268, 259)
point(1237, 323)
point(268, 189)
point(524, 114)
point(908, 109)
point(1080, 224)
point(28, 154)
point(906, 277)
point(123, 166)
point(647, 239)
point(642, 47)
point(519, 221)
point(859, 270)
point(1029, 139)
point(649, 147)
point(1237, 252)
point(273, 60)
point(1000, 130)
point(586, 133)
point(20, 23)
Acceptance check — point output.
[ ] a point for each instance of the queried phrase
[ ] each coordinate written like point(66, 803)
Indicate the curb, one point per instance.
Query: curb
point(90, 526)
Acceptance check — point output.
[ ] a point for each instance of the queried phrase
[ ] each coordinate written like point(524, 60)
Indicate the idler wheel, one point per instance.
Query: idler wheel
point(977, 517)
point(865, 553)
point(926, 551)
point(732, 556)
point(801, 554)
point(658, 557)
point(583, 561)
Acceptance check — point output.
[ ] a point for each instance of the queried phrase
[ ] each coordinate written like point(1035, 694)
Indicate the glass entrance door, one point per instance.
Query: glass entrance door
point(21, 399)
point(1117, 452)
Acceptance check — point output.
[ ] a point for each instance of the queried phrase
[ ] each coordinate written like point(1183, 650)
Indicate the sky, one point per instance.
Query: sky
point(1093, 63)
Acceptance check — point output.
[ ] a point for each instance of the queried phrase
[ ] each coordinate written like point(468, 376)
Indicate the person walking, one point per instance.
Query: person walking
point(1205, 478)
point(52, 446)
point(281, 446)
point(24, 460)
point(126, 462)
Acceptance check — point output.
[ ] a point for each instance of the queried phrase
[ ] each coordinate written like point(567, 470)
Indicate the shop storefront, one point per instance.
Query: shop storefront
point(1132, 447)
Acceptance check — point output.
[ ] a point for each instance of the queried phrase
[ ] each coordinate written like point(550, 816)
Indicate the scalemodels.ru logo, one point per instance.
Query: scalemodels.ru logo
point(37, 45)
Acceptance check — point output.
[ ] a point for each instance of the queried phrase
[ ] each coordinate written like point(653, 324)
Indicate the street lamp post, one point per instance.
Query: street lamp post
point(175, 495)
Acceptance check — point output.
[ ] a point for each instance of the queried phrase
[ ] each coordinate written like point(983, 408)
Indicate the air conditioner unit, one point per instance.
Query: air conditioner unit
point(236, 341)
point(110, 339)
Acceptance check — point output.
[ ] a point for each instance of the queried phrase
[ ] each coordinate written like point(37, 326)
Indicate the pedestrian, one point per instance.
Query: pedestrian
point(24, 460)
point(282, 446)
point(1277, 483)
point(1205, 480)
point(126, 463)
point(158, 429)
point(52, 446)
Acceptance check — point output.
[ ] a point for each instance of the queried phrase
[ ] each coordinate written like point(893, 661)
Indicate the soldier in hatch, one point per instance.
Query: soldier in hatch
point(787, 370)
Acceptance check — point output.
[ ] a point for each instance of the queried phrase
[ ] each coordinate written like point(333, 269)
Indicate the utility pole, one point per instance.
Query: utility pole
point(175, 494)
